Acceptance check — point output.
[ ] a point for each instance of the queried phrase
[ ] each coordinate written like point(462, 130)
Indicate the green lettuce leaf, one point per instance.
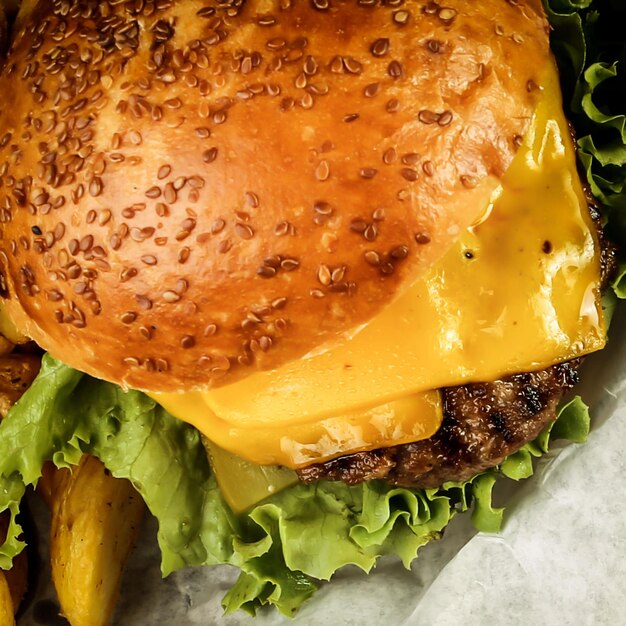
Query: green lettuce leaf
point(284, 545)
point(65, 414)
point(590, 47)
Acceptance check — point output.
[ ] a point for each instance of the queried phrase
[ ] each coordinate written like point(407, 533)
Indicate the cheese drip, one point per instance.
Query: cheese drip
point(518, 292)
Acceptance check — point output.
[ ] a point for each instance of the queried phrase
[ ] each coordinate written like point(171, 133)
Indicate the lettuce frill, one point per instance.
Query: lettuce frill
point(285, 545)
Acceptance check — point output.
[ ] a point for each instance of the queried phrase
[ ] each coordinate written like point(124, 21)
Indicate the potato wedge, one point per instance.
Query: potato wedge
point(6, 603)
point(95, 523)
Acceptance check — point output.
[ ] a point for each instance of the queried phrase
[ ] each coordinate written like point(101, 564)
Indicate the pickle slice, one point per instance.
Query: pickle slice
point(242, 483)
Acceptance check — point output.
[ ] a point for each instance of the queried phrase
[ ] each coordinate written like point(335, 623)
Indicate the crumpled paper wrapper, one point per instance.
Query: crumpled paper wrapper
point(560, 558)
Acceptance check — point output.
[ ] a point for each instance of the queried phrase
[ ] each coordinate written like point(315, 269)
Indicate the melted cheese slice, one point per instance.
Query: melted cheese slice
point(518, 292)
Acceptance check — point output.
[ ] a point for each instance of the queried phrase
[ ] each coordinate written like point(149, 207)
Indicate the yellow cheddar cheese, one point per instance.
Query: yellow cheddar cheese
point(519, 291)
point(405, 419)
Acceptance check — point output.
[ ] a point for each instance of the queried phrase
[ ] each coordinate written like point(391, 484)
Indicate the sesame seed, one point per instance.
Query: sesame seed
point(447, 15)
point(422, 238)
point(410, 158)
point(86, 243)
point(276, 43)
point(469, 181)
point(434, 45)
point(428, 168)
point(244, 231)
point(282, 229)
point(210, 330)
point(188, 341)
point(323, 208)
point(351, 65)
point(428, 117)
point(401, 17)
point(143, 302)
point(445, 118)
point(252, 199)
point(173, 103)
point(164, 172)
point(394, 69)
point(266, 20)
point(169, 193)
point(372, 258)
point(369, 91)
point(357, 225)
point(170, 296)
point(219, 117)
point(128, 273)
point(324, 275)
point(224, 246)
point(392, 106)
point(399, 253)
point(289, 265)
point(95, 187)
point(368, 172)
point(310, 66)
point(208, 156)
point(128, 318)
point(370, 233)
point(408, 174)
point(531, 85)
point(179, 183)
point(389, 156)
point(266, 272)
point(265, 343)
point(380, 47)
point(322, 171)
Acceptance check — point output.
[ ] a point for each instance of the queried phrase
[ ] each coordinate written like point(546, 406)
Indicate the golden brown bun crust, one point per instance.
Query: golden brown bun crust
point(192, 190)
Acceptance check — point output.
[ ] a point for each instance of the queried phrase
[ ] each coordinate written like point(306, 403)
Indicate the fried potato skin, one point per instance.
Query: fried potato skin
point(6, 603)
point(95, 523)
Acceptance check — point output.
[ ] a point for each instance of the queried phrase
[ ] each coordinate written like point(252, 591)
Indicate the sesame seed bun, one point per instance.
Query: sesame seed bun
point(194, 190)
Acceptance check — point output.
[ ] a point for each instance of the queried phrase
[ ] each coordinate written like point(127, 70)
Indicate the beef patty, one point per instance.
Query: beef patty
point(482, 423)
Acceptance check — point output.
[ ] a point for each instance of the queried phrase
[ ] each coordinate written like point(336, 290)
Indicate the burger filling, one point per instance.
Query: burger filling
point(519, 292)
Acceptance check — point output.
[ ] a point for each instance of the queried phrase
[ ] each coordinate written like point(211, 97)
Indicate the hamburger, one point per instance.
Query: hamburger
point(346, 242)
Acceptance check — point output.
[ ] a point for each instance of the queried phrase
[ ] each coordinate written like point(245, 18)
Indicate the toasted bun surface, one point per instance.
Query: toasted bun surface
point(191, 190)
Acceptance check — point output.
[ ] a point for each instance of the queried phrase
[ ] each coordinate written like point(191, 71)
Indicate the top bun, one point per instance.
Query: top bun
point(192, 190)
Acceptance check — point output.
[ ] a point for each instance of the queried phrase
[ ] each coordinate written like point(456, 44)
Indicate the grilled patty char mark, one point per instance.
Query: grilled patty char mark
point(483, 423)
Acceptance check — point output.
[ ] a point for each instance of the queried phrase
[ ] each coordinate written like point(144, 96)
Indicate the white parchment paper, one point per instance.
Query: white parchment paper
point(560, 558)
